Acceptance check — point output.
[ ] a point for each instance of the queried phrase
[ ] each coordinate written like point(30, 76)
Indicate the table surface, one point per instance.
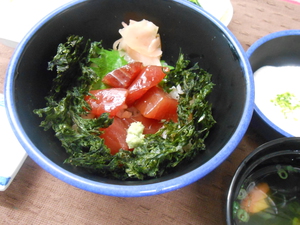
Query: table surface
point(36, 197)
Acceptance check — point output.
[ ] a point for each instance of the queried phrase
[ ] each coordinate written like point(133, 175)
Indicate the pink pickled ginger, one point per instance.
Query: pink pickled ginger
point(140, 42)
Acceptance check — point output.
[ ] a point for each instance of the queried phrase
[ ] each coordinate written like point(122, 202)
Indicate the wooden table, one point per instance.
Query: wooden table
point(36, 197)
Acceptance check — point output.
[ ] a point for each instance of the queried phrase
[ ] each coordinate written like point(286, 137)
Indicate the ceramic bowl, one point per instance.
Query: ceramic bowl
point(281, 159)
point(280, 51)
point(184, 27)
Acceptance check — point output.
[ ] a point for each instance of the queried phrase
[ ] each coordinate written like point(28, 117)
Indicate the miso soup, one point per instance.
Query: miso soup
point(270, 195)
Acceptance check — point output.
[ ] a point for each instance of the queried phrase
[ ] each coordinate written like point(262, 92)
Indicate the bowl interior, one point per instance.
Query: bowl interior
point(277, 49)
point(182, 28)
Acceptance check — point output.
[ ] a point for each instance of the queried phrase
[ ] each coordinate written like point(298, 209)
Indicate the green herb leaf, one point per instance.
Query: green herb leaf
point(104, 62)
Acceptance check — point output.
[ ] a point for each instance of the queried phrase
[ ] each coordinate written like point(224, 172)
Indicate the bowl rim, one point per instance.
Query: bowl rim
point(292, 141)
point(249, 53)
point(130, 190)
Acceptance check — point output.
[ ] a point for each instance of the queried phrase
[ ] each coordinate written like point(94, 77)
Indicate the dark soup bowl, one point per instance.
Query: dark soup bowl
point(184, 28)
point(265, 189)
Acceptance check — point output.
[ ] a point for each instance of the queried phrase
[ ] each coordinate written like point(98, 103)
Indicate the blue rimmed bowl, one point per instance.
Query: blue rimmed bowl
point(183, 26)
point(279, 49)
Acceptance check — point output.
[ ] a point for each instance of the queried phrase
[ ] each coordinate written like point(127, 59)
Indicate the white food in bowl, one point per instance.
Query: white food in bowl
point(271, 81)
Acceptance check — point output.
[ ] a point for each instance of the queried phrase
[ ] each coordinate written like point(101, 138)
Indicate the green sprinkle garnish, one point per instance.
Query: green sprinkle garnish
point(243, 215)
point(287, 102)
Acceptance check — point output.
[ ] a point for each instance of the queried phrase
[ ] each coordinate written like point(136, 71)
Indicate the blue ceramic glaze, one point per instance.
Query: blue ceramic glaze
point(4, 180)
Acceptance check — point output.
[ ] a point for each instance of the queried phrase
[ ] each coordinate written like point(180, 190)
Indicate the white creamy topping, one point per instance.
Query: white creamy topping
point(272, 82)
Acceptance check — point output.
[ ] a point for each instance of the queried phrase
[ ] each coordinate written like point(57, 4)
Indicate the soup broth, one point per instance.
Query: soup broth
point(270, 195)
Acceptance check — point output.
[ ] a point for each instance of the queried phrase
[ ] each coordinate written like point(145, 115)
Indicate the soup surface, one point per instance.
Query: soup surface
point(270, 195)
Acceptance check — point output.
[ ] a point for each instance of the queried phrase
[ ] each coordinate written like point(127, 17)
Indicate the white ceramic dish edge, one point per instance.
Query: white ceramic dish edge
point(12, 154)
